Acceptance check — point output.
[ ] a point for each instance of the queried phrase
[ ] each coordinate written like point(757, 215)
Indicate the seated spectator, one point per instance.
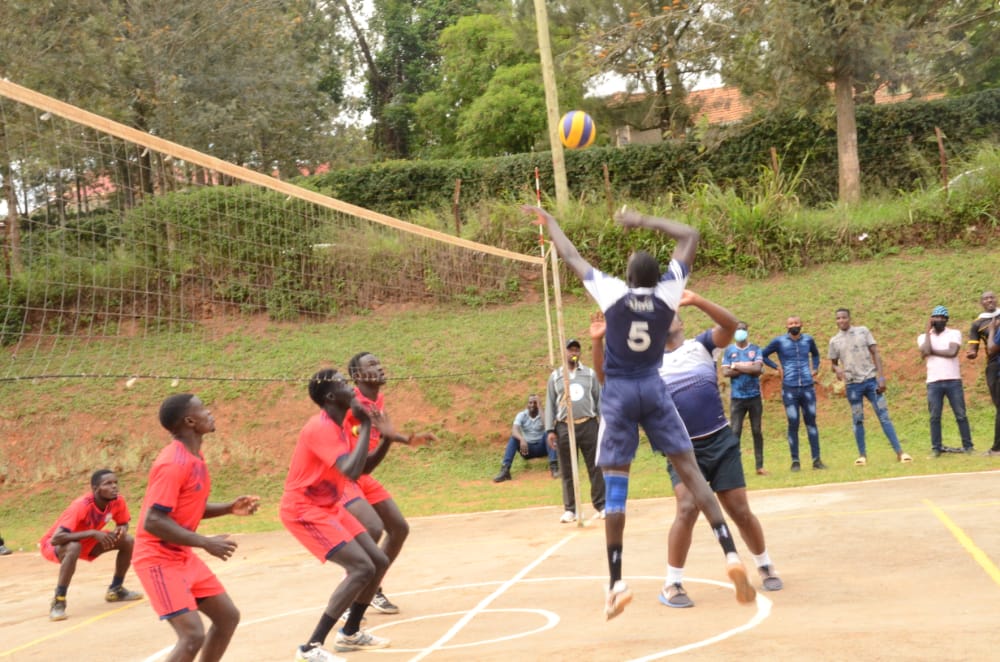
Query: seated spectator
point(528, 438)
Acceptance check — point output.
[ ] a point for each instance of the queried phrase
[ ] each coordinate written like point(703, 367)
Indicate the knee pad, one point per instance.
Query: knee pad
point(616, 485)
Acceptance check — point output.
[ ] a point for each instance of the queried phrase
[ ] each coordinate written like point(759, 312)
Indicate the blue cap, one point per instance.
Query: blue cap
point(939, 311)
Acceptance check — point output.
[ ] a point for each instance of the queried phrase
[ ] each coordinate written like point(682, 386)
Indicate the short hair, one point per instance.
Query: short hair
point(842, 310)
point(644, 269)
point(354, 365)
point(173, 410)
point(320, 384)
point(97, 476)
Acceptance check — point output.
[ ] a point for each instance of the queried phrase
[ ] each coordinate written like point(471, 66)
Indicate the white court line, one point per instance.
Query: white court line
point(485, 602)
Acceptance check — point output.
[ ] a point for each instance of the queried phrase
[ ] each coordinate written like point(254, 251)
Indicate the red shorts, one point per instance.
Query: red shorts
point(320, 530)
point(373, 490)
point(87, 551)
point(175, 588)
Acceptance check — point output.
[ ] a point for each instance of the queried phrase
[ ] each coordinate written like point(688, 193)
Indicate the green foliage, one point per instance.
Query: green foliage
point(896, 146)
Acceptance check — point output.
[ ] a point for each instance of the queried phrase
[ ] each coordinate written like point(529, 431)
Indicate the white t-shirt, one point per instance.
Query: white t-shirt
point(940, 368)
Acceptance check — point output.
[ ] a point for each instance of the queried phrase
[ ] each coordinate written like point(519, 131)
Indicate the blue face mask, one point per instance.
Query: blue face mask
point(741, 335)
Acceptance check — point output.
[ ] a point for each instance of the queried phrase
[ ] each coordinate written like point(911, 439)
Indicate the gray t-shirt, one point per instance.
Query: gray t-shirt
point(850, 349)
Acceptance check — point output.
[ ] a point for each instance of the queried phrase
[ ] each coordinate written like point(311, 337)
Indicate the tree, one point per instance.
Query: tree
point(797, 51)
point(397, 53)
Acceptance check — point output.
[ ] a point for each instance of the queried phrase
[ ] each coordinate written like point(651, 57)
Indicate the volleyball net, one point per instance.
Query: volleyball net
point(121, 251)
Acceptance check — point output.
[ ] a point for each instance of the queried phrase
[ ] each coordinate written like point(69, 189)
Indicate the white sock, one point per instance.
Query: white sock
point(732, 558)
point(762, 559)
point(674, 575)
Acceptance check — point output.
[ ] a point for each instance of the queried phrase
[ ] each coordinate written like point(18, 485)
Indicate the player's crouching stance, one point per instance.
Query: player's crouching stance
point(321, 480)
point(178, 583)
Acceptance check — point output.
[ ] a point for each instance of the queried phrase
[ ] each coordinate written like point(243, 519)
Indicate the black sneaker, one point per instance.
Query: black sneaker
point(795, 465)
point(818, 464)
point(936, 452)
point(969, 450)
point(5, 550)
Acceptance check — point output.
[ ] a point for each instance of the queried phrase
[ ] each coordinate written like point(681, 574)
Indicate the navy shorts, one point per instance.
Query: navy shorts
point(719, 459)
point(626, 404)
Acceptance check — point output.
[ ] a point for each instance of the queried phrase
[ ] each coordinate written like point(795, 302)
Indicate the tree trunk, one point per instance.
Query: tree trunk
point(849, 171)
point(12, 245)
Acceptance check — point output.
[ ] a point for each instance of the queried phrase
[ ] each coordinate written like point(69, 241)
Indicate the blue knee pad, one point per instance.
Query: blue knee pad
point(616, 485)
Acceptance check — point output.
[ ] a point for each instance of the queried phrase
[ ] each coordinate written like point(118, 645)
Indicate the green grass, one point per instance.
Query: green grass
point(464, 374)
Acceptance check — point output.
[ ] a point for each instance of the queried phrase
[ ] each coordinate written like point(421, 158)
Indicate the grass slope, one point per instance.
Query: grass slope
point(464, 373)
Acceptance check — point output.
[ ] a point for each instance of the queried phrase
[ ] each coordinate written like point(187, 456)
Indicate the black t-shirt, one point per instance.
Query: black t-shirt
point(979, 333)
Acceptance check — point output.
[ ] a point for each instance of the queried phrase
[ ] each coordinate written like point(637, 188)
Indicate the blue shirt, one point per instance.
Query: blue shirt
point(743, 385)
point(691, 378)
point(638, 319)
point(533, 429)
point(794, 354)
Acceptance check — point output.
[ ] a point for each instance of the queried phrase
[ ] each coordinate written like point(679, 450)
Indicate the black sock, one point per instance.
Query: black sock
point(722, 534)
point(61, 591)
point(615, 563)
point(353, 623)
point(116, 581)
point(326, 623)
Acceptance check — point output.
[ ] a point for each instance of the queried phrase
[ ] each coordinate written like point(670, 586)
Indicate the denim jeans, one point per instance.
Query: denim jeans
point(856, 394)
point(738, 409)
point(537, 449)
point(936, 393)
point(993, 382)
point(802, 398)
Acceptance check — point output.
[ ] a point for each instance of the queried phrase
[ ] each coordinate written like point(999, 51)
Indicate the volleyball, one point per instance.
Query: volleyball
point(576, 130)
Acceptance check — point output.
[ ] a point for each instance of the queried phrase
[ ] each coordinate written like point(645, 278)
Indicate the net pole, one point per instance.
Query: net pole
point(545, 272)
point(570, 426)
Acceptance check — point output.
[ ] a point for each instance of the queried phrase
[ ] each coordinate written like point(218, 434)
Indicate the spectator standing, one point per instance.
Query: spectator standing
point(799, 358)
point(979, 335)
point(743, 364)
point(940, 345)
point(527, 437)
point(857, 362)
point(582, 406)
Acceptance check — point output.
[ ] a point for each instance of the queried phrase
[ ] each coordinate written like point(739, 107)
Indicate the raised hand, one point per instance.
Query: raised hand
point(598, 325)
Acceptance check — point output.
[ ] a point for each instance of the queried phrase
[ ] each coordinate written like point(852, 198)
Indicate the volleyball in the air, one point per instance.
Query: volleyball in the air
point(576, 130)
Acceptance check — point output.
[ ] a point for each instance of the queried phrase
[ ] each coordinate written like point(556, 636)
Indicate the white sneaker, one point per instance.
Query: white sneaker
point(600, 514)
point(359, 641)
point(316, 654)
point(617, 599)
point(567, 517)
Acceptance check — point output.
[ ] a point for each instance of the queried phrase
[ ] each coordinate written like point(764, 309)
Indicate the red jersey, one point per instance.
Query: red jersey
point(352, 425)
point(179, 486)
point(313, 477)
point(84, 514)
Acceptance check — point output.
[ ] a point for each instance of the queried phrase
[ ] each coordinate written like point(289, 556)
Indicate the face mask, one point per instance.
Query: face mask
point(741, 335)
point(794, 330)
point(939, 326)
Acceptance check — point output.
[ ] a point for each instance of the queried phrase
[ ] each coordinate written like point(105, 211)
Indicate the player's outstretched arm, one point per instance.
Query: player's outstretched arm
point(725, 321)
point(564, 247)
point(686, 236)
point(161, 525)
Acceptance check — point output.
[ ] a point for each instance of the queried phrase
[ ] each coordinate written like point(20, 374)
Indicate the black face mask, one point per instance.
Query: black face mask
point(939, 326)
point(794, 330)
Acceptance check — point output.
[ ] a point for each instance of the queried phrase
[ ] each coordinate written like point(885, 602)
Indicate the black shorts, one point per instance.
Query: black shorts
point(719, 459)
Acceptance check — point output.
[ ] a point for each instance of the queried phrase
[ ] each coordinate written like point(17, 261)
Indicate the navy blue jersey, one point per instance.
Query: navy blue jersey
point(638, 319)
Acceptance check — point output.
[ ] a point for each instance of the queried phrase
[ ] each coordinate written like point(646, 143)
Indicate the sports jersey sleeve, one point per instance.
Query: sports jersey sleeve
point(672, 283)
point(120, 513)
point(727, 356)
point(605, 289)
point(322, 447)
point(705, 339)
point(73, 517)
point(165, 481)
